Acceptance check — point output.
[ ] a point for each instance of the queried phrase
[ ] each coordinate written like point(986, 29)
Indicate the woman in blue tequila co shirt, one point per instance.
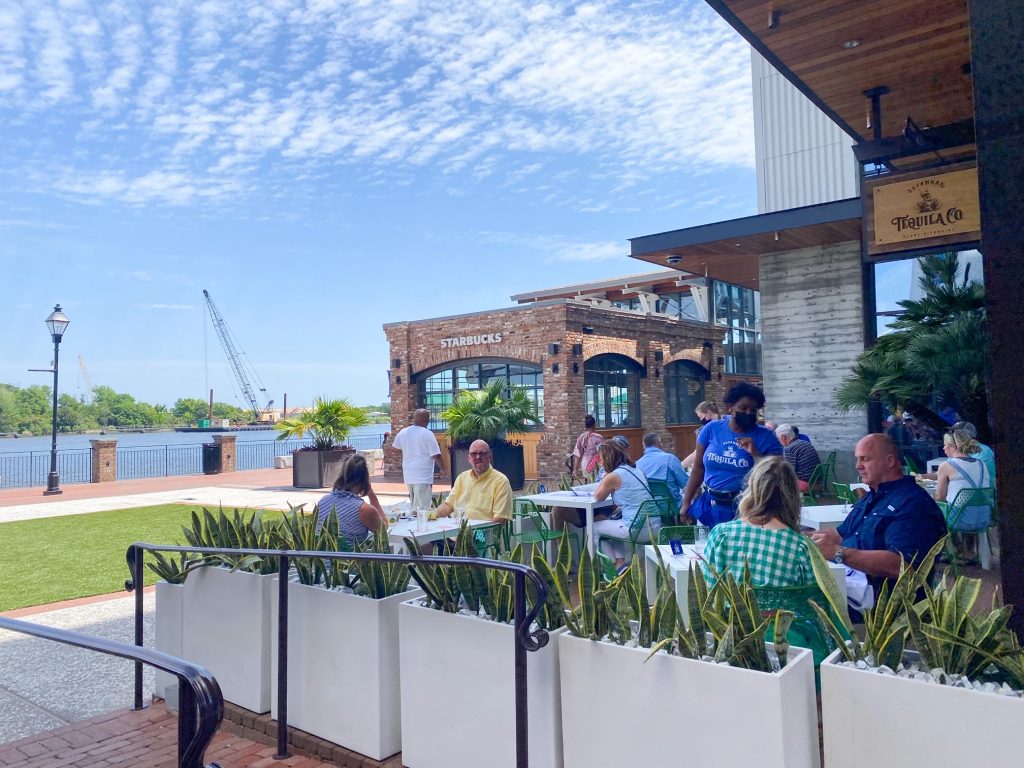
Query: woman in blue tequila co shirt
point(726, 452)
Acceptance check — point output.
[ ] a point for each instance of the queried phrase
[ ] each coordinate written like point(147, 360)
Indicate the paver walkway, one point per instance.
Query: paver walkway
point(148, 737)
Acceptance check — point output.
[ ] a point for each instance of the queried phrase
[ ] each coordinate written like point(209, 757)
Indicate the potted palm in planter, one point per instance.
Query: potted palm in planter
point(327, 423)
point(343, 671)
point(489, 414)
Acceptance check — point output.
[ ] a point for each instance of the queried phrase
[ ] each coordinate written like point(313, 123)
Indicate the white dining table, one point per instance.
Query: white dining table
point(823, 517)
point(576, 500)
point(679, 571)
point(435, 530)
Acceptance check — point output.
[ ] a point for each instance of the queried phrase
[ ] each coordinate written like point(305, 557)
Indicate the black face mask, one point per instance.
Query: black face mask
point(705, 421)
point(745, 421)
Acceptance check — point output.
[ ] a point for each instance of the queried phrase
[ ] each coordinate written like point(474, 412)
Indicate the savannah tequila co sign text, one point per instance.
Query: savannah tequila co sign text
point(927, 207)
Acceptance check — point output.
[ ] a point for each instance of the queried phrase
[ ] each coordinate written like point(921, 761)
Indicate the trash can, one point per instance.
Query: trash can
point(211, 459)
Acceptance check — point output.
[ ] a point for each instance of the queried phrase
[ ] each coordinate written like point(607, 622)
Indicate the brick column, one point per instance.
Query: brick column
point(227, 452)
point(104, 461)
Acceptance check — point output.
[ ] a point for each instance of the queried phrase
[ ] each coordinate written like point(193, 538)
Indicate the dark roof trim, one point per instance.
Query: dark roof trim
point(758, 45)
point(779, 221)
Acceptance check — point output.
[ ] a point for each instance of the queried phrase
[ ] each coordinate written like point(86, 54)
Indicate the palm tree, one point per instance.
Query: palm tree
point(489, 413)
point(328, 422)
point(937, 351)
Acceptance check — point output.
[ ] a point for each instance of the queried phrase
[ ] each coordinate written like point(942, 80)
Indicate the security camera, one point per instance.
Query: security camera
point(673, 258)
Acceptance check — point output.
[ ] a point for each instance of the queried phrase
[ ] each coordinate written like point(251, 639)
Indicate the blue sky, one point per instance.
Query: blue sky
point(326, 167)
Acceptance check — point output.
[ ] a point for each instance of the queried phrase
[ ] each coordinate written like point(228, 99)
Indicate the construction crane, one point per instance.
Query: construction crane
point(87, 395)
point(230, 346)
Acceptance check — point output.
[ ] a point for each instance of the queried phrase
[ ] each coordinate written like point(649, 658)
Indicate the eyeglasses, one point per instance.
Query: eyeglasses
point(478, 454)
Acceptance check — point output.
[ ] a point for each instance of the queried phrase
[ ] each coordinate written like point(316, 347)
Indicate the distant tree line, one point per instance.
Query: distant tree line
point(28, 410)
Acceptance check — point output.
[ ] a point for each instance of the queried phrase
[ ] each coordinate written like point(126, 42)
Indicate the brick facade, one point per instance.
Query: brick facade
point(526, 333)
point(227, 452)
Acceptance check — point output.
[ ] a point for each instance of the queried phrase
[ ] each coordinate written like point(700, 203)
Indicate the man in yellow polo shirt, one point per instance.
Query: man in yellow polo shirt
point(484, 491)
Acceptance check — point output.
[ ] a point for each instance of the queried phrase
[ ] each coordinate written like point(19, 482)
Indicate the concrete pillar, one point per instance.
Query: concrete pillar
point(812, 331)
point(227, 452)
point(104, 461)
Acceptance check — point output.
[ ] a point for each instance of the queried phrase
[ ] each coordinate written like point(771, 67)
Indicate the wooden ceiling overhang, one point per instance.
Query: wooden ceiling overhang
point(730, 250)
point(835, 50)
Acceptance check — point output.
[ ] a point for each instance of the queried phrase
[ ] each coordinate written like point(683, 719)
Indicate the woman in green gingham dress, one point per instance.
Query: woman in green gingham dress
point(766, 537)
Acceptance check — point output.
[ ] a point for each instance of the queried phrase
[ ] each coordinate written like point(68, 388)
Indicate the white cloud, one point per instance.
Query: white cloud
point(183, 101)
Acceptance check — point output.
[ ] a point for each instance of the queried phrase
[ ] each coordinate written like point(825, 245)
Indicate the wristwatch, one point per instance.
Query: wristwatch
point(838, 557)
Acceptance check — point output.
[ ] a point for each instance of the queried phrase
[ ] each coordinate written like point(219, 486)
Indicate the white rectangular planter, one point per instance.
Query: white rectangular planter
point(873, 719)
point(458, 693)
point(227, 630)
point(617, 710)
point(343, 672)
point(168, 634)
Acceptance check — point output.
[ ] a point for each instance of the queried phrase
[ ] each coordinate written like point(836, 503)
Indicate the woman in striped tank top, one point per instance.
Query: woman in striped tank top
point(356, 518)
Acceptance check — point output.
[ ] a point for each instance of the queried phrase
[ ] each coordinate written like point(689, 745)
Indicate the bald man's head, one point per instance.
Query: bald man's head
point(878, 460)
point(421, 417)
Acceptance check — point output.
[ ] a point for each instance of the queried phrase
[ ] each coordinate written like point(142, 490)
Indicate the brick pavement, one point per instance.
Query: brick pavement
point(149, 737)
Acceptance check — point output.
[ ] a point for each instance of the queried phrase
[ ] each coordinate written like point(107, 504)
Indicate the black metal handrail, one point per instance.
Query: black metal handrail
point(200, 705)
point(525, 639)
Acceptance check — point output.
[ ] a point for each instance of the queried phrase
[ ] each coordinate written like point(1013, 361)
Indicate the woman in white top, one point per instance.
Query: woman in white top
point(628, 487)
point(962, 471)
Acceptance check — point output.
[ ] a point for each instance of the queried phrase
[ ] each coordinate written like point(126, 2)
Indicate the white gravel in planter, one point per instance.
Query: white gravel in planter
point(936, 676)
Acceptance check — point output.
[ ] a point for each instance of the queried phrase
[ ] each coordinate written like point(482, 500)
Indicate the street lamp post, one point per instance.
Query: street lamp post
point(57, 322)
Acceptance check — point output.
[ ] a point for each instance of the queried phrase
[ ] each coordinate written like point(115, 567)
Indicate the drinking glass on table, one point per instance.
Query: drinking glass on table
point(422, 518)
point(459, 513)
point(700, 538)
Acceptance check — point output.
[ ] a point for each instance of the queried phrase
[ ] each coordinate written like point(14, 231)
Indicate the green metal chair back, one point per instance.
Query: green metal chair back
point(806, 631)
point(816, 479)
point(605, 566)
point(649, 510)
point(830, 468)
point(971, 510)
point(684, 533)
point(491, 539)
point(668, 511)
point(844, 492)
point(526, 509)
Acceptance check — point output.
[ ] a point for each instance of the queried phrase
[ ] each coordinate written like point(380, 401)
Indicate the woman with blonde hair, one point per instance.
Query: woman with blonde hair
point(961, 470)
point(765, 539)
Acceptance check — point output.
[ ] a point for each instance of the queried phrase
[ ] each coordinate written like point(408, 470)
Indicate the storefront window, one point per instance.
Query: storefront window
point(439, 389)
point(683, 306)
point(611, 390)
point(739, 310)
point(684, 390)
point(897, 281)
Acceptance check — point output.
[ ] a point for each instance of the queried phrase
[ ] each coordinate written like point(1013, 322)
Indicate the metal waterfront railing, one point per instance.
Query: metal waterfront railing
point(525, 639)
point(22, 469)
point(200, 704)
point(30, 468)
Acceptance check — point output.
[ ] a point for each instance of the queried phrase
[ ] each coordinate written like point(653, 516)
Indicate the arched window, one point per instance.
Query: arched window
point(611, 390)
point(438, 389)
point(684, 390)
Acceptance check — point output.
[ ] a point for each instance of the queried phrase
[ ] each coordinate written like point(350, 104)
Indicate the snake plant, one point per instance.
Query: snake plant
point(379, 579)
point(239, 531)
point(175, 570)
point(302, 531)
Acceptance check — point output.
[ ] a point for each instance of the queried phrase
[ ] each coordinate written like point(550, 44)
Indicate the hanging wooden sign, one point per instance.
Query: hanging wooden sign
point(918, 209)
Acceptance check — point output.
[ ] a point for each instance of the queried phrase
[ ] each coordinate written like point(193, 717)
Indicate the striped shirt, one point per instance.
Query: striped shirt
point(775, 558)
point(345, 505)
point(804, 458)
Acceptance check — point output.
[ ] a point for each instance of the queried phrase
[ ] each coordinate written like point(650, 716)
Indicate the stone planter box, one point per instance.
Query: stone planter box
point(458, 693)
point(673, 711)
point(168, 621)
point(318, 469)
point(873, 719)
point(343, 668)
point(227, 630)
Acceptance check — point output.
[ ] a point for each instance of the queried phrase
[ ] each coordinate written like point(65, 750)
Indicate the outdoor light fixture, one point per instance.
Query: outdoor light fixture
point(773, 19)
point(708, 344)
point(398, 379)
point(575, 367)
point(659, 355)
point(588, 329)
point(57, 323)
point(553, 349)
point(554, 368)
point(396, 363)
point(577, 350)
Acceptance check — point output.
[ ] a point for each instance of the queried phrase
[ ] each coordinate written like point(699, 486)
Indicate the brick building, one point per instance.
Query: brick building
point(639, 353)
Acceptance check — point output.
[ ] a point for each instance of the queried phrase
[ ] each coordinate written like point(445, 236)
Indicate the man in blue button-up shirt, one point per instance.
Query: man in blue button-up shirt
point(897, 520)
point(658, 464)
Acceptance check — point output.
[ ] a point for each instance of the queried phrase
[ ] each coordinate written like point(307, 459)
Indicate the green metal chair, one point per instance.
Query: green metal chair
point(806, 631)
point(684, 533)
point(817, 478)
point(844, 492)
point(605, 566)
point(669, 511)
point(830, 469)
point(972, 511)
point(491, 539)
point(538, 532)
point(649, 510)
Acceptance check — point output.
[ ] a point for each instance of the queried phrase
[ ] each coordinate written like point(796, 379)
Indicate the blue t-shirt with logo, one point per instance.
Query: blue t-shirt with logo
point(725, 463)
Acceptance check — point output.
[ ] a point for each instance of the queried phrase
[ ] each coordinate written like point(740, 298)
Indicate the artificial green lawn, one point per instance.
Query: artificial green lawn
point(59, 558)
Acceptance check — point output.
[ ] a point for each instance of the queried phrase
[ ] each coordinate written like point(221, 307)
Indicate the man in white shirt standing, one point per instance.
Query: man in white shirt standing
point(420, 452)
